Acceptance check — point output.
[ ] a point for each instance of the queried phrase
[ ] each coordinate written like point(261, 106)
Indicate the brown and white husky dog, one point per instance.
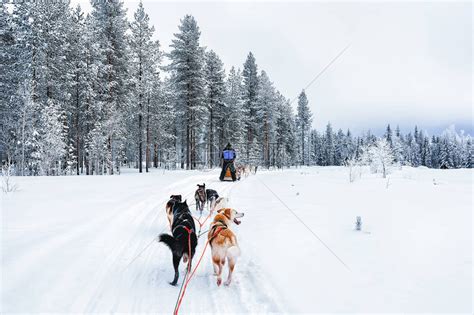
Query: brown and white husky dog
point(223, 242)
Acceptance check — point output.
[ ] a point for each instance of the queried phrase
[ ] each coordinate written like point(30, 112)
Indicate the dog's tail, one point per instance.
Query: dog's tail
point(169, 240)
point(233, 252)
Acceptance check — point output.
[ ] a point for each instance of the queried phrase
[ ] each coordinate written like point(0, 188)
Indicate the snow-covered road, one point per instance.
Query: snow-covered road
point(68, 243)
point(70, 248)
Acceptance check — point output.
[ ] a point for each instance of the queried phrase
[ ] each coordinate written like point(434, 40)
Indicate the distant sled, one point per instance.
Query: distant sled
point(228, 175)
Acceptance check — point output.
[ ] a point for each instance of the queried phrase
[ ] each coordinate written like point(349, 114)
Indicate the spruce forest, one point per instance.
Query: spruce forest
point(94, 93)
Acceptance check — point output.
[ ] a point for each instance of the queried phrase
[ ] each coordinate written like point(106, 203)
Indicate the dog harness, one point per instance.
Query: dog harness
point(190, 230)
point(219, 224)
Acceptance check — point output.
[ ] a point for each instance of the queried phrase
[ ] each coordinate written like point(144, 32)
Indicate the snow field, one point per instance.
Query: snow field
point(68, 243)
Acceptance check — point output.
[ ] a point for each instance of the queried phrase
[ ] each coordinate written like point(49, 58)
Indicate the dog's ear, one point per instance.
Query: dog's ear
point(185, 202)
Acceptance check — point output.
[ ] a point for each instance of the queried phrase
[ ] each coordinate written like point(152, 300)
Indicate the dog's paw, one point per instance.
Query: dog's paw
point(227, 283)
point(219, 282)
point(173, 283)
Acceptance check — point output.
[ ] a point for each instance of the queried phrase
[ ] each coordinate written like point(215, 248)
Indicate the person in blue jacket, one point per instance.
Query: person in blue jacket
point(228, 156)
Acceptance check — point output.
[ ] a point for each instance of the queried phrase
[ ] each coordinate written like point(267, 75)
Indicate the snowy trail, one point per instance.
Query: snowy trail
point(69, 243)
point(95, 271)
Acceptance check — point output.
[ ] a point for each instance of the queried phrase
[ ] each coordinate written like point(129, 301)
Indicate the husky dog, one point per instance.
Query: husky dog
point(200, 197)
point(183, 230)
point(212, 196)
point(224, 243)
point(169, 207)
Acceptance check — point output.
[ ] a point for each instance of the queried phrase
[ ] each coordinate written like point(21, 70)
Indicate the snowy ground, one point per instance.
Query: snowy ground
point(67, 243)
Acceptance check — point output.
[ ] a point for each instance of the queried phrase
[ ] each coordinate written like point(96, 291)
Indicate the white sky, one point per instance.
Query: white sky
point(409, 62)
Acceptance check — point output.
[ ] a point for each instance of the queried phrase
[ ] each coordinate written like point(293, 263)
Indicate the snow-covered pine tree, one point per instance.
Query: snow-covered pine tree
point(265, 114)
point(188, 79)
point(9, 80)
point(165, 126)
point(217, 109)
point(388, 135)
point(303, 125)
point(415, 148)
point(426, 152)
point(445, 159)
point(340, 148)
point(315, 148)
point(154, 104)
point(234, 124)
point(434, 152)
point(250, 76)
point(145, 58)
point(329, 146)
point(92, 109)
point(468, 159)
point(110, 26)
point(40, 30)
point(77, 66)
point(284, 133)
point(51, 140)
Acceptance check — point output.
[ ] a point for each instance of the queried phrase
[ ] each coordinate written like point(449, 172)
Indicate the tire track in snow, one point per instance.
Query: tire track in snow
point(113, 278)
point(249, 292)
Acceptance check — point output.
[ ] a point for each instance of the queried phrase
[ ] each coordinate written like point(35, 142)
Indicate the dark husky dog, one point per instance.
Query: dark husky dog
point(212, 196)
point(200, 196)
point(183, 230)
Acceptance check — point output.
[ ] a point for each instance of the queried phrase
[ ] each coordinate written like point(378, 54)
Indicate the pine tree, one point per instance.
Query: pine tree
point(78, 88)
point(188, 77)
point(250, 76)
point(110, 26)
point(265, 114)
point(215, 94)
point(92, 108)
point(145, 58)
point(329, 146)
point(426, 152)
point(9, 104)
point(468, 162)
point(303, 123)
point(284, 131)
point(234, 124)
point(388, 135)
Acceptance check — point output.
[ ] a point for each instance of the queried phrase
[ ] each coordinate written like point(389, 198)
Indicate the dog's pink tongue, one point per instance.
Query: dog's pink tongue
point(236, 221)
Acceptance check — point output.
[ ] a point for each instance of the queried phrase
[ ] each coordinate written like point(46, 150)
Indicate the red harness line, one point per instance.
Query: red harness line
point(201, 224)
point(180, 298)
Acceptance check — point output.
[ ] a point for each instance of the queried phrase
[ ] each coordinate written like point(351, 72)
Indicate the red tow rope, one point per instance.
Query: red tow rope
point(186, 281)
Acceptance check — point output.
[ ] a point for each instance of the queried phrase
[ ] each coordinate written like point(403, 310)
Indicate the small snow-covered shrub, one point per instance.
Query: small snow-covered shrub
point(379, 157)
point(355, 170)
point(358, 224)
point(6, 178)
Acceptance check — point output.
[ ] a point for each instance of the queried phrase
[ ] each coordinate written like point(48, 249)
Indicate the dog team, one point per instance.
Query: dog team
point(183, 239)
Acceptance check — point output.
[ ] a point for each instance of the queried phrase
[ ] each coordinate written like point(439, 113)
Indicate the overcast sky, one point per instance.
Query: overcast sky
point(408, 62)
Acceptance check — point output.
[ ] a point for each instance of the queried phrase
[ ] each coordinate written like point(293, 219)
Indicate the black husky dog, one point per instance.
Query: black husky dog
point(183, 225)
point(212, 196)
point(200, 197)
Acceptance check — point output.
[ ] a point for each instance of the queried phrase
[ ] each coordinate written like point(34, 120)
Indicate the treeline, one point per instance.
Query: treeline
point(449, 150)
point(89, 94)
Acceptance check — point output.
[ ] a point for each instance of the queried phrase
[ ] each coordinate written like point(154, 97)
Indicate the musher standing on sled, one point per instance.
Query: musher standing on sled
point(228, 156)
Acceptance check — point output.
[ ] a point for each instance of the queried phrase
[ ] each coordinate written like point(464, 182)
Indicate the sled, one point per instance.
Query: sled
point(228, 175)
